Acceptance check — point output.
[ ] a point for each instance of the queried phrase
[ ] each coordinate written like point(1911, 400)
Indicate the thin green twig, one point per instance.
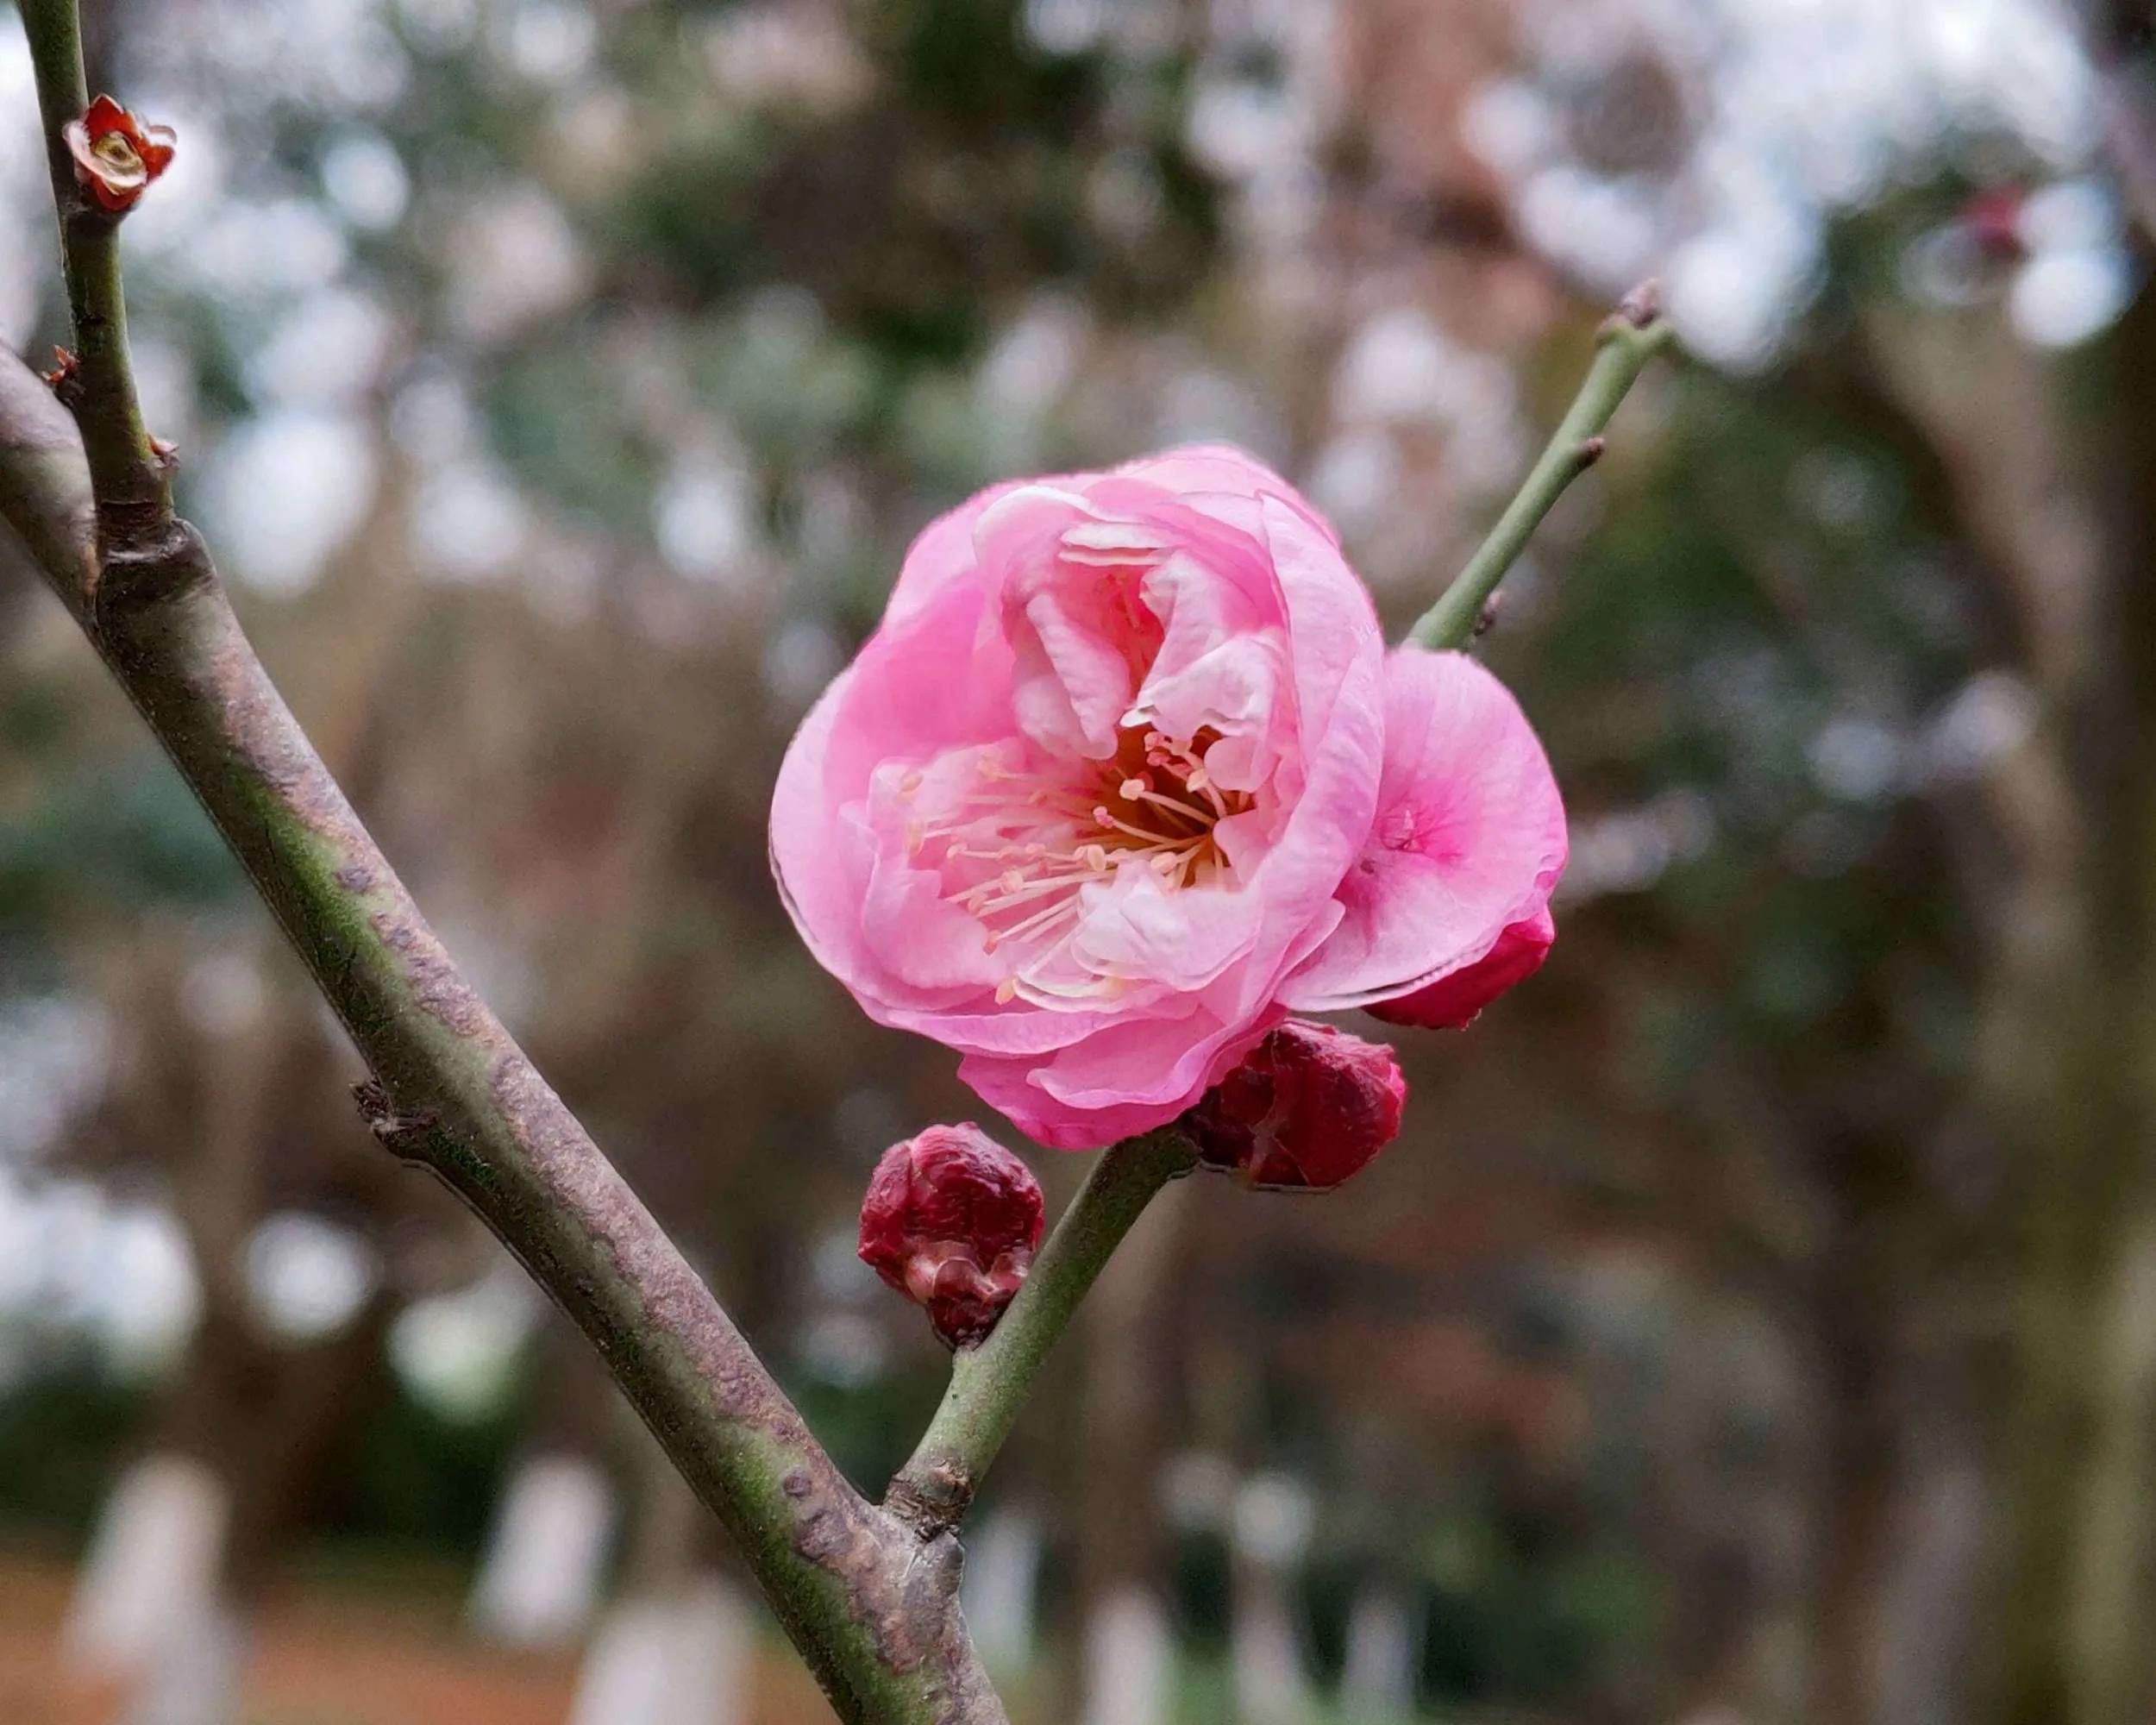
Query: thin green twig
point(988, 1383)
point(132, 478)
point(1628, 339)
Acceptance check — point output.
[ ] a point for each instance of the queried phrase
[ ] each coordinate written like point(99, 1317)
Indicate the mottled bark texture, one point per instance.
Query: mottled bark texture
point(872, 1605)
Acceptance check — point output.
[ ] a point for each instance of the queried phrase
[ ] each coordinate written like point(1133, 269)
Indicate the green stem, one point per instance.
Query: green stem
point(988, 1383)
point(132, 480)
point(1627, 340)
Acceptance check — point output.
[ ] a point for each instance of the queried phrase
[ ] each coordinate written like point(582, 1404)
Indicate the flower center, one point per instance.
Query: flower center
point(119, 156)
point(1019, 849)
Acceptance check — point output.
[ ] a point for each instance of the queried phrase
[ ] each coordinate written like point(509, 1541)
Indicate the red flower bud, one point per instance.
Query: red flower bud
point(1993, 219)
point(951, 1221)
point(116, 156)
point(1308, 1107)
point(1452, 1002)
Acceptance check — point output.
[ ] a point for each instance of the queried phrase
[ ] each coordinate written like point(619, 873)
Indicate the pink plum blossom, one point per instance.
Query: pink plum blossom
point(1126, 775)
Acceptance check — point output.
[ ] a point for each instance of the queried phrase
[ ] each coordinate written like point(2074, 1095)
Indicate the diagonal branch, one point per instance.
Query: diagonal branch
point(1629, 337)
point(873, 1609)
point(871, 1605)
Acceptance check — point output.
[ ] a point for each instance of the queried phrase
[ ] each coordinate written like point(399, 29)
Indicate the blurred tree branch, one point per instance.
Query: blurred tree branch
point(2120, 36)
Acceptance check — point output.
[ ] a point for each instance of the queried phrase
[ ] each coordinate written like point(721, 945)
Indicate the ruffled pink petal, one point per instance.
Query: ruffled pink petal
point(1126, 1080)
point(1469, 838)
point(1208, 476)
point(1451, 1002)
point(1068, 583)
point(1139, 929)
point(1339, 691)
point(896, 701)
point(943, 552)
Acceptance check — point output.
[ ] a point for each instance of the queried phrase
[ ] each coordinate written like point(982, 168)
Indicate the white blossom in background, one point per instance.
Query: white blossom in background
point(224, 992)
point(1001, 1585)
point(308, 1276)
point(1857, 759)
point(1356, 478)
point(1129, 1657)
point(680, 1656)
point(545, 41)
point(469, 521)
point(54, 1053)
point(844, 1348)
point(2077, 277)
point(514, 261)
point(1034, 359)
point(1631, 849)
point(23, 191)
point(165, 379)
point(440, 26)
point(151, 1568)
point(1799, 110)
point(1401, 367)
point(797, 54)
point(704, 517)
point(1205, 403)
point(74, 1261)
point(248, 250)
point(800, 661)
point(365, 179)
point(1988, 718)
point(284, 492)
point(457, 1352)
point(328, 350)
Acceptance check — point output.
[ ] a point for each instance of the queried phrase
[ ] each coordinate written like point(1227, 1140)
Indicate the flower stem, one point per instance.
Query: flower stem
point(988, 1383)
point(1627, 340)
point(132, 481)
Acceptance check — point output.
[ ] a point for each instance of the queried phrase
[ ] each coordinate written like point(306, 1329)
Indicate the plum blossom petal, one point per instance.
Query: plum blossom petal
point(1451, 1002)
point(1467, 843)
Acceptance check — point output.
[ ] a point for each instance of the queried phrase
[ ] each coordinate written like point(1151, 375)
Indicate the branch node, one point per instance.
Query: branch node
point(1642, 307)
point(147, 556)
point(403, 1135)
point(932, 1499)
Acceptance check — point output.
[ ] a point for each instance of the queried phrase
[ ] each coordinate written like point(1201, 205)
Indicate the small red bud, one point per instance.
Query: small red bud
point(116, 156)
point(951, 1221)
point(1308, 1107)
point(1993, 219)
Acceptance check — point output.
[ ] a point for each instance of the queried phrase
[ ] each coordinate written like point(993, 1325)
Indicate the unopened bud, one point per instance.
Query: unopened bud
point(1309, 1106)
point(1993, 220)
point(951, 1221)
point(116, 156)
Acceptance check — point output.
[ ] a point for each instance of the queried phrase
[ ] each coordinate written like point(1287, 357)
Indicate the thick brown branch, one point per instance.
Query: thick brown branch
point(873, 1607)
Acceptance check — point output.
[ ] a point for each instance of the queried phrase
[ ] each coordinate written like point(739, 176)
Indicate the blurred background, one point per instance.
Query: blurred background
point(1756, 1321)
